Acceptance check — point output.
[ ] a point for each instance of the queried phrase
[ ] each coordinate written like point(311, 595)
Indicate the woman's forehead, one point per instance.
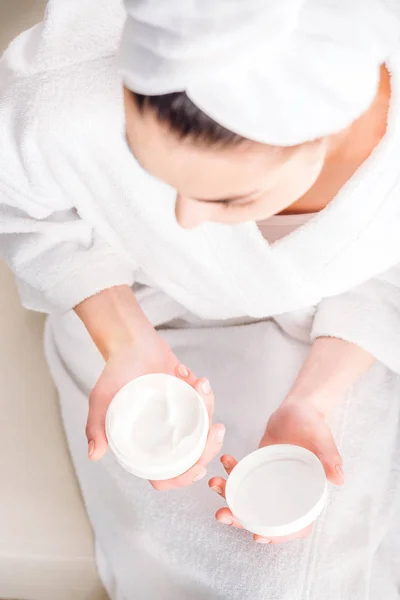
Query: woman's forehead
point(151, 140)
point(204, 171)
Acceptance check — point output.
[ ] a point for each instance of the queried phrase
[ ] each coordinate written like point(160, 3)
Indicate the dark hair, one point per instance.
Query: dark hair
point(186, 120)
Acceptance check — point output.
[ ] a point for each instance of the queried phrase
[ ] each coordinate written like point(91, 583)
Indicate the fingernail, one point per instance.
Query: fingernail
point(263, 541)
point(199, 476)
point(220, 434)
point(183, 371)
point(226, 521)
point(206, 387)
point(90, 448)
point(217, 489)
point(339, 470)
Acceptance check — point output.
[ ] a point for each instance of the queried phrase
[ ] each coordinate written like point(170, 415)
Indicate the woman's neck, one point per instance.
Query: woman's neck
point(361, 138)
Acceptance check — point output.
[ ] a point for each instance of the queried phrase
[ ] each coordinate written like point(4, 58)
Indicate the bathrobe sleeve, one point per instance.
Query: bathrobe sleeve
point(58, 259)
point(368, 315)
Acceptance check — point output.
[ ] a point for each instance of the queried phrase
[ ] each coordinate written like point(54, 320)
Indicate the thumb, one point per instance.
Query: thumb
point(99, 401)
point(330, 458)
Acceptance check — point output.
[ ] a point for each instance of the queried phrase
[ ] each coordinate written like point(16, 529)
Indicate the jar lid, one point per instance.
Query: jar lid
point(277, 490)
point(157, 426)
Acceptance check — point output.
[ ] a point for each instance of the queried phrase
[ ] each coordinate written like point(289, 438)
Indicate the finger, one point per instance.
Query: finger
point(299, 535)
point(214, 444)
point(99, 402)
point(228, 462)
point(330, 458)
point(225, 516)
point(198, 471)
point(203, 387)
point(217, 484)
point(184, 373)
point(193, 475)
point(261, 540)
point(333, 469)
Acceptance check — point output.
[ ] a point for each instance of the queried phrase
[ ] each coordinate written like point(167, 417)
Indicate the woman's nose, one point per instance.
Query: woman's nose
point(191, 213)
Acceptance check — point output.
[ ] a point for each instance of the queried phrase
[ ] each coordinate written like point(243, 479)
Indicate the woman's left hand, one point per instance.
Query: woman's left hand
point(298, 423)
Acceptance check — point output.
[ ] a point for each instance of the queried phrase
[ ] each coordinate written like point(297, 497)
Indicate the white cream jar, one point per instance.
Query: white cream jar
point(157, 426)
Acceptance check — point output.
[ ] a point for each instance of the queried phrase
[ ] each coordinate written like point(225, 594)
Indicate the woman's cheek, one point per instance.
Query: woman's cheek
point(297, 182)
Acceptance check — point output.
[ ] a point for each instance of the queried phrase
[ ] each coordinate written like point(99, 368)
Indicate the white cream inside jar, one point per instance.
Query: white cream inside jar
point(157, 426)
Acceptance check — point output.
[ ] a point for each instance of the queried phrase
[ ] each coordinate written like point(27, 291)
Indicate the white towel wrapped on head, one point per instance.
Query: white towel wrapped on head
point(279, 73)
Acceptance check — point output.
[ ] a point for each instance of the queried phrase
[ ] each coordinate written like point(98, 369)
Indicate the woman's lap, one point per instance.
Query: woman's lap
point(169, 546)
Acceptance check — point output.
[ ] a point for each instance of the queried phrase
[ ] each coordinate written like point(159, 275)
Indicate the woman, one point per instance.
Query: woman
point(141, 219)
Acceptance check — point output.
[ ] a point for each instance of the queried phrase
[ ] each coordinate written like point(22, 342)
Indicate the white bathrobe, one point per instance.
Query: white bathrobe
point(78, 215)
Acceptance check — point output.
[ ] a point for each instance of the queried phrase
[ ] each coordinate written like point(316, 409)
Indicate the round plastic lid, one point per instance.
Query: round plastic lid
point(157, 426)
point(277, 490)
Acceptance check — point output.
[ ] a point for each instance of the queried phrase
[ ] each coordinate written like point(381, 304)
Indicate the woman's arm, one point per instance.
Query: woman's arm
point(58, 258)
point(131, 347)
point(367, 315)
point(331, 368)
point(114, 319)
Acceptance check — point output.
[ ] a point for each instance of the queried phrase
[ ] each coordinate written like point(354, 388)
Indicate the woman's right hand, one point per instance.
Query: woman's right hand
point(132, 359)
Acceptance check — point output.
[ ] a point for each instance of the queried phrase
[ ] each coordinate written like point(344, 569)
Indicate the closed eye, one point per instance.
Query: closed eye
point(235, 204)
point(234, 201)
point(244, 203)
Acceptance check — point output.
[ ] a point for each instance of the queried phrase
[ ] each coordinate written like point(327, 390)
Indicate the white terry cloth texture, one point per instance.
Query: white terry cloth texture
point(279, 73)
point(168, 546)
point(78, 215)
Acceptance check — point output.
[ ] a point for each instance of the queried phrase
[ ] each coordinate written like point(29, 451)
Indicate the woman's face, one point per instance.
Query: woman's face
point(232, 184)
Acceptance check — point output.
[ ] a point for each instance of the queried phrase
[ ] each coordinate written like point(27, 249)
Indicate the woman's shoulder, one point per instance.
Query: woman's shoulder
point(66, 59)
point(52, 102)
point(71, 32)
point(56, 112)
